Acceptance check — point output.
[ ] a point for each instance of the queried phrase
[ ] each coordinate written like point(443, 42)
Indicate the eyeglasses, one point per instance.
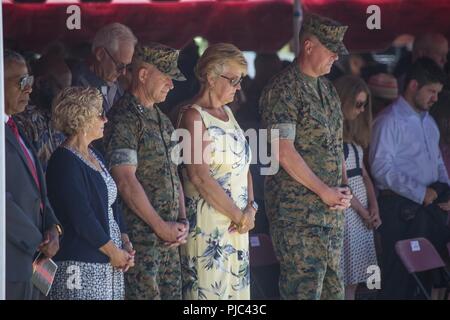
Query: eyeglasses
point(119, 65)
point(25, 82)
point(234, 82)
point(360, 104)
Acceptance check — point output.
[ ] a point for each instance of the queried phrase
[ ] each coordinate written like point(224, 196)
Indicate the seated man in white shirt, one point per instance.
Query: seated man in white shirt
point(406, 164)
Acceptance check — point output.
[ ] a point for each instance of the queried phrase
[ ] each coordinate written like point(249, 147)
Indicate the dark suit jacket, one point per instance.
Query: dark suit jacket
point(25, 225)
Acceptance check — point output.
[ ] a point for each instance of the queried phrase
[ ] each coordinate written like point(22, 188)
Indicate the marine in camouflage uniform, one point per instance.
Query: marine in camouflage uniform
point(140, 136)
point(307, 235)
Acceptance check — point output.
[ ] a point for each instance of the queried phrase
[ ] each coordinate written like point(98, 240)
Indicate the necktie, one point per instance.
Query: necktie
point(12, 125)
point(112, 94)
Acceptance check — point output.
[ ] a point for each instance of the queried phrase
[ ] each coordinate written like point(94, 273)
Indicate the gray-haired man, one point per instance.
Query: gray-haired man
point(112, 51)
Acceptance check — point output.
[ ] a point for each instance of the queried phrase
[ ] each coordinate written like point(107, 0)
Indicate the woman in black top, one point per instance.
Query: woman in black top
point(95, 250)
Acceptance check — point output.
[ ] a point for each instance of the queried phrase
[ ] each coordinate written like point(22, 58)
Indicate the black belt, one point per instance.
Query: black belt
point(354, 173)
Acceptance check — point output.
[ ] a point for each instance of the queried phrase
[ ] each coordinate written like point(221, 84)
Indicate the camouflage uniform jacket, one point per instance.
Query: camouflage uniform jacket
point(35, 124)
point(139, 136)
point(308, 111)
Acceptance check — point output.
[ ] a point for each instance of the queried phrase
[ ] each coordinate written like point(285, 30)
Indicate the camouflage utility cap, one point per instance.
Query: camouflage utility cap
point(329, 32)
point(162, 57)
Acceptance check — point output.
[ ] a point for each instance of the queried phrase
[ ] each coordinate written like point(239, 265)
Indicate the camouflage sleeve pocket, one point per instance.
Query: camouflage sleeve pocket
point(285, 131)
point(123, 157)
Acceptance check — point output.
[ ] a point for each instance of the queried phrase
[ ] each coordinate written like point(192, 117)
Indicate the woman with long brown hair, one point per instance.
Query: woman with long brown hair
point(362, 217)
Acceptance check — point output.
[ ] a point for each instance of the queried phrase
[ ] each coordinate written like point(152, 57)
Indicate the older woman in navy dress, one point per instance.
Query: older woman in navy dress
point(95, 250)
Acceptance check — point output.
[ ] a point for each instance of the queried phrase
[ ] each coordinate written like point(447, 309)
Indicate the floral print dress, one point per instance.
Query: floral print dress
point(215, 262)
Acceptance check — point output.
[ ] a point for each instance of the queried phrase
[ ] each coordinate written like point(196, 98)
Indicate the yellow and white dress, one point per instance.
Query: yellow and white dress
point(215, 262)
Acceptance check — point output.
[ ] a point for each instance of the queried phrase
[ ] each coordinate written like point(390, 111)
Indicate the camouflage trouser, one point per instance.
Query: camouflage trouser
point(156, 274)
point(309, 261)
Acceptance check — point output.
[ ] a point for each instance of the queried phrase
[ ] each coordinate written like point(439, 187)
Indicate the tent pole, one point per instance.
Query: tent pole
point(297, 24)
point(2, 173)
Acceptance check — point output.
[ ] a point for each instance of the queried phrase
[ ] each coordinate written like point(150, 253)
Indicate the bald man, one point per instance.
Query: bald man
point(433, 46)
point(428, 45)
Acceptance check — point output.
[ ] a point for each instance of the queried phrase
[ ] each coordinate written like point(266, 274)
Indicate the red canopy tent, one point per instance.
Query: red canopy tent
point(252, 25)
point(258, 25)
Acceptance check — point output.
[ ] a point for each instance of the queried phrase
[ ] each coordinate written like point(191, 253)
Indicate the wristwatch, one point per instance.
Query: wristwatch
point(254, 205)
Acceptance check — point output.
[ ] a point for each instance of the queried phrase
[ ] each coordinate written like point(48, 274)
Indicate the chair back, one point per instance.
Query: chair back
point(418, 255)
point(261, 251)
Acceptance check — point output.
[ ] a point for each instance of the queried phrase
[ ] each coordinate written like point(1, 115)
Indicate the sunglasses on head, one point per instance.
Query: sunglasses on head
point(234, 82)
point(360, 104)
point(26, 82)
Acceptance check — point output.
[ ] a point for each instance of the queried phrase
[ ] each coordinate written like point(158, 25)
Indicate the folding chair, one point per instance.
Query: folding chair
point(264, 265)
point(419, 255)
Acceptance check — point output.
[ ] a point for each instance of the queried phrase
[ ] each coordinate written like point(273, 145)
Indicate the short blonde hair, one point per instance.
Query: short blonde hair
point(214, 59)
point(75, 108)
